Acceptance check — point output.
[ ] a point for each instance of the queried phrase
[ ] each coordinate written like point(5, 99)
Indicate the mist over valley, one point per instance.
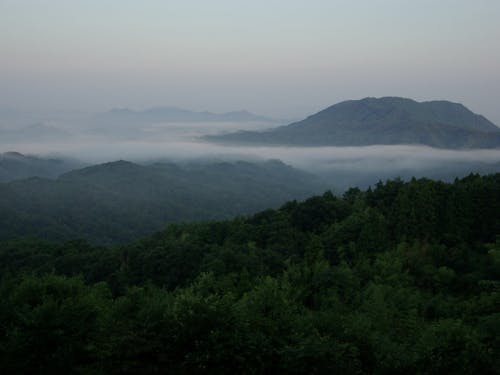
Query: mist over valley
point(249, 187)
point(179, 136)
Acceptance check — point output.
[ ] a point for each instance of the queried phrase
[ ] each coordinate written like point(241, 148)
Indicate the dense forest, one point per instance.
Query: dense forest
point(401, 278)
point(121, 201)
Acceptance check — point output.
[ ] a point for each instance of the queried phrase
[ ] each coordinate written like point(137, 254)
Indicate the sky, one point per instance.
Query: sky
point(283, 58)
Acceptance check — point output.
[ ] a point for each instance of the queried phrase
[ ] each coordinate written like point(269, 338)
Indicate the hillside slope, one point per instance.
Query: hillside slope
point(401, 278)
point(120, 201)
point(388, 120)
point(14, 166)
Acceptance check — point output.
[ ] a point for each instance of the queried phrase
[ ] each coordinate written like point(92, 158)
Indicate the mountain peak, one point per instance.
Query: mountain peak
point(385, 120)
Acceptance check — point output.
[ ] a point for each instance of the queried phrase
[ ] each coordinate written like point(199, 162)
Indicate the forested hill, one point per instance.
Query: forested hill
point(122, 201)
point(15, 166)
point(382, 121)
point(401, 278)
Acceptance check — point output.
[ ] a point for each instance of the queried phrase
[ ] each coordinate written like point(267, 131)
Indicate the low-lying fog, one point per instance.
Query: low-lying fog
point(183, 142)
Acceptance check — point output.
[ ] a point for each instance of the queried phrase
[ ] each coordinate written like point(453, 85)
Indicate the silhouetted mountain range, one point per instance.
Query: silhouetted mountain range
point(388, 120)
point(174, 114)
point(14, 166)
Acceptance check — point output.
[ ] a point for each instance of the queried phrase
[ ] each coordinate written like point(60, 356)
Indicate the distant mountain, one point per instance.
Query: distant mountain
point(122, 201)
point(14, 166)
point(174, 114)
point(32, 133)
point(388, 120)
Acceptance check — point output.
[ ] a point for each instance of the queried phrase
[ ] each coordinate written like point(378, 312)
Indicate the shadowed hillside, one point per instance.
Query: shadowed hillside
point(120, 201)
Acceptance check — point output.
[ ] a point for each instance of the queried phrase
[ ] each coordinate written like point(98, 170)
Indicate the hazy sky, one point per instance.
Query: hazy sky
point(282, 58)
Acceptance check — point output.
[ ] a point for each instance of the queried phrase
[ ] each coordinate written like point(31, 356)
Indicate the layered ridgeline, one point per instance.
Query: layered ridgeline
point(388, 121)
point(143, 124)
point(14, 166)
point(120, 201)
point(401, 278)
point(175, 114)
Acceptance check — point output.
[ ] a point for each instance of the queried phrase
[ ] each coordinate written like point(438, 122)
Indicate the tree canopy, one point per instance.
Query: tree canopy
point(401, 278)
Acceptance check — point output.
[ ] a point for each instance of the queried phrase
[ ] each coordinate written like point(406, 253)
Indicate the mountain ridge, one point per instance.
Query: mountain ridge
point(120, 201)
point(15, 165)
point(172, 113)
point(386, 120)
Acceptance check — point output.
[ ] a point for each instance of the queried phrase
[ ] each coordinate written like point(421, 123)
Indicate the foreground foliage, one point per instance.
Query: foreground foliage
point(400, 278)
